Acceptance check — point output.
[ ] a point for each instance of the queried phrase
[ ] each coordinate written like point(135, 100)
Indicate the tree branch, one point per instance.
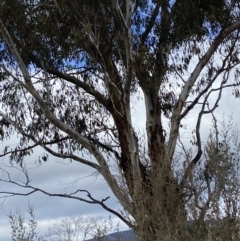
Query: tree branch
point(192, 164)
point(189, 85)
point(14, 52)
point(150, 23)
point(220, 70)
point(38, 143)
point(90, 90)
point(70, 196)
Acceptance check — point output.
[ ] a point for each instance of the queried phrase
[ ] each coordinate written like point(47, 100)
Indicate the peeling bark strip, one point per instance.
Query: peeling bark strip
point(69, 72)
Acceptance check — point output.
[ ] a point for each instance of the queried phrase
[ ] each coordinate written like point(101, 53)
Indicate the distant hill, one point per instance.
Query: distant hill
point(126, 235)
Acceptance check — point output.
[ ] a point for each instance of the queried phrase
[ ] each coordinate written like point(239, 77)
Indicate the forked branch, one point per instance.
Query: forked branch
point(73, 195)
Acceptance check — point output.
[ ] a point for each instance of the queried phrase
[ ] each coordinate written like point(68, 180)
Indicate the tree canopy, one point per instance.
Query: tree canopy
point(70, 71)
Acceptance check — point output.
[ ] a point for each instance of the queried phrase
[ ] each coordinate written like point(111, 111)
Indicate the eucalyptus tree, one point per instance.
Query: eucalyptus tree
point(71, 70)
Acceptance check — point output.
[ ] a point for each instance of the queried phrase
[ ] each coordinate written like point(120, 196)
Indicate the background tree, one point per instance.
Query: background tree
point(70, 71)
point(20, 230)
point(84, 228)
point(68, 229)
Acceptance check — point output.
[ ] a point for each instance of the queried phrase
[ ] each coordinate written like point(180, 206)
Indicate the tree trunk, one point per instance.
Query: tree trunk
point(159, 211)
